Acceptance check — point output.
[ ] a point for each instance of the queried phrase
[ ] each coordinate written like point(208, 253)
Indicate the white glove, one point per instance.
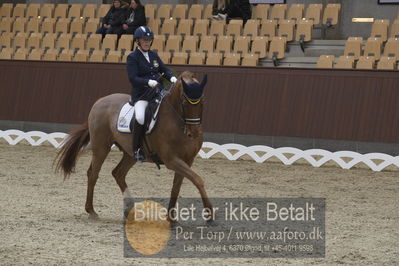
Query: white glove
point(152, 83)
point(173, 79)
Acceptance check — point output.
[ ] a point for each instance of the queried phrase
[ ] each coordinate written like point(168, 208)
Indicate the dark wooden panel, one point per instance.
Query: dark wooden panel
point(311, 103)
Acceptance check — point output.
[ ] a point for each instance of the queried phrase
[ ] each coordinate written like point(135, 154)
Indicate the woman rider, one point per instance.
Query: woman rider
point(144, 68)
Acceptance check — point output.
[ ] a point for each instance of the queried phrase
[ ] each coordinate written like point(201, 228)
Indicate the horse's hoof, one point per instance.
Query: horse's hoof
point(212, 222)
point(174, 224)
point(93, 216)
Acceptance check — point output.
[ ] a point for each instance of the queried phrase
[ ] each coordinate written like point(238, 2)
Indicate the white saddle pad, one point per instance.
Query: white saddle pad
point(126, 115)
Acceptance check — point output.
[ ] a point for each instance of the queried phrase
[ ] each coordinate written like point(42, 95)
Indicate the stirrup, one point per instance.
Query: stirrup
point(139, 156)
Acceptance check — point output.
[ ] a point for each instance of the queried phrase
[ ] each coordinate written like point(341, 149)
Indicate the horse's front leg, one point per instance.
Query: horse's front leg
point(174, 194)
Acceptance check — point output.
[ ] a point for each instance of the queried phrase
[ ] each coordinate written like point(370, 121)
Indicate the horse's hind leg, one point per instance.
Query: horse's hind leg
point(120, 172)
point(98, 157)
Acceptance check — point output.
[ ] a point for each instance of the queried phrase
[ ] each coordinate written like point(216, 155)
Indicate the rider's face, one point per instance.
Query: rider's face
point(145, 44)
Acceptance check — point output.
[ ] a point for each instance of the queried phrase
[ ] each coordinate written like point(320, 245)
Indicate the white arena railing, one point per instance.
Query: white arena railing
point(259, 153)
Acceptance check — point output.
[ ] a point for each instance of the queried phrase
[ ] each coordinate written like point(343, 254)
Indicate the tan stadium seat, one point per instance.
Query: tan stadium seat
point(5, 39)
point(48, 25)
point(19, 10)
point(179, 58)
point(251, 28)
point(207, 44)
point(104, 8)
point(64, 41)
point(114, 57)
point(6, 24)
point(89, 11)
point(197, 58)
point(373, 48)
point(295, 12)
point(214, 59)
point(164, 11)
point(158, 43)
point(286, 29)
point(154, 25)
point(345, 62)
point(169, 26)
point(125, 42)
point(36, 54)
point(5, 54)
point(150, 10)
point(249, 60)
point(32, 10)
point(20, 40)
point(97, 56)
point(34, 25)
point(234, 28)
point(180, 11)
point(60, 11)
point(190, 44)
point(79, 41)
point(241, 44)
point(379, 29)
point(48, 40)
point(109, 42)
point(392, 48)
point(92, 25)
point(207, 14)
point(62, 25)
point(19, 25)
point(66, 55)
point(313, 12)
point(353, 47)
point(195, 11)
point(20, 54)
point(331, 14)
point(259, 46)
point(46, 11)
point(81, 56)
point(365, 62)
point(50, 55)
point(277, 12)
point(124, 58)
point(93, 42)
point(395, 29)
point(165, 56)
point(387, 63)
point(277, 47)
point(268, 28)
point(231, 59)
point(325, 61)
point(217, 28)
point(185, 27)
point(75, 11)
point(6, 10)
point(201, 27)
point(173, 43)
point(34, 40)
point(260, 11)
point(224, 44)
point(304, 30)
point(76, 26)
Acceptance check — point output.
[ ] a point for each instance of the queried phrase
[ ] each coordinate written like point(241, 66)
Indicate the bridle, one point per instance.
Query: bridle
point(187, 101)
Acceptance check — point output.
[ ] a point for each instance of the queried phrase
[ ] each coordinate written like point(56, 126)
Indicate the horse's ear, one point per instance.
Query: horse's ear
point(204, 81)
point(185, 87)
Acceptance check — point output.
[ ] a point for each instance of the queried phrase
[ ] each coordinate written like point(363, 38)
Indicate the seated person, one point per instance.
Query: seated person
point(237, 9)
point(134, 17)
point(113, 20)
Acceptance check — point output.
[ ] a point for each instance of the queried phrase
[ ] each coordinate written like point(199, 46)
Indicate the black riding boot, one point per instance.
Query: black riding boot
point(138, 135)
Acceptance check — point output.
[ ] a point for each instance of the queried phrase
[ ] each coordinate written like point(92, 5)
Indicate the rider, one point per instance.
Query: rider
point(144, 68)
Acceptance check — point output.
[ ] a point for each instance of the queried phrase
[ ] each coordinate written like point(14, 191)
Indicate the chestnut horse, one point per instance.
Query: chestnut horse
point(176, 139)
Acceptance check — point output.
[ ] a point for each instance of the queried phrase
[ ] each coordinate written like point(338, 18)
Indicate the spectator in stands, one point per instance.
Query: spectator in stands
point(113, 20)
point(218, 8)
point(236, 9)
point(144, 69)
point(134, 17)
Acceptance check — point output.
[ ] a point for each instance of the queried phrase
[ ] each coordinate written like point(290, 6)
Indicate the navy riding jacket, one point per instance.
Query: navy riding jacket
point(140, 71)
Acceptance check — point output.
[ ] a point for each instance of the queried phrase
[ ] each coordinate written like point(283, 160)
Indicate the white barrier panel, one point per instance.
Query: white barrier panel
point(235, 151)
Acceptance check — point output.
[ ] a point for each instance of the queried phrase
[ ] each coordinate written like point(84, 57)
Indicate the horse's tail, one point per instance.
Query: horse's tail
point(68, 154)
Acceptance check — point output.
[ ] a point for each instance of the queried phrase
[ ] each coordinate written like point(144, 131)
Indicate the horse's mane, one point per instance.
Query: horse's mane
point(188, 75)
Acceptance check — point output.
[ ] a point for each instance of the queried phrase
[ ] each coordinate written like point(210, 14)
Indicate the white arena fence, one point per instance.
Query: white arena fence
point(259, 153)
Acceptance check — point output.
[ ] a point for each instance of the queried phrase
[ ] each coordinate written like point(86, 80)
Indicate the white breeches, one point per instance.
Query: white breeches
point(139, 110)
